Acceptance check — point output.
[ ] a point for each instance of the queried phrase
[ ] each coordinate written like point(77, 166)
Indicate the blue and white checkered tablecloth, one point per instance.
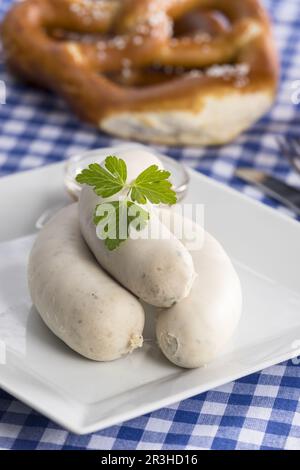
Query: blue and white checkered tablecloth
point(261, 411)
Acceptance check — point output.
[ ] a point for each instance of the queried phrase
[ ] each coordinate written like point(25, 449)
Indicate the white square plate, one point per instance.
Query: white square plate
point(85, 396)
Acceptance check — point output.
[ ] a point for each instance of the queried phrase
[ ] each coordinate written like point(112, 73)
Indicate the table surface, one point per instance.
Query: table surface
point(261, 411)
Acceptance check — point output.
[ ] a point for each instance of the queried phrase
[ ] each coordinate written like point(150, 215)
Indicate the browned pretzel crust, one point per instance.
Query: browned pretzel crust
point(170, 71)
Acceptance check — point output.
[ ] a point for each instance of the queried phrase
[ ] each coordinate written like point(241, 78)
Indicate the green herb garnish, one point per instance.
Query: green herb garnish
point(152, 185)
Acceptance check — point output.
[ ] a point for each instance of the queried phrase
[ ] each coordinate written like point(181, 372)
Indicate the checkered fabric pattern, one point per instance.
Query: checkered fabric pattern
point(261, 411)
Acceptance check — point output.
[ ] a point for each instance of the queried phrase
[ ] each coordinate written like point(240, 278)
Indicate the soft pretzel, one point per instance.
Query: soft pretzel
point(167, 71)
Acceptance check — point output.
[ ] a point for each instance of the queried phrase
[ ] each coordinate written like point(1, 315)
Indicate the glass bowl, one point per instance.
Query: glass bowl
point(74, 165)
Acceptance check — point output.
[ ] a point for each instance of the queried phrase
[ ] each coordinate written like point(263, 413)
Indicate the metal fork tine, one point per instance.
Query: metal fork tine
point(284, 145)
point(293, 145)
point(296, 144)
point(290, 147)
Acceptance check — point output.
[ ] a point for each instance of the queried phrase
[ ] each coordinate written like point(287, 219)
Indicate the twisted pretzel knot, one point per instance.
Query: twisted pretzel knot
point(135, 56)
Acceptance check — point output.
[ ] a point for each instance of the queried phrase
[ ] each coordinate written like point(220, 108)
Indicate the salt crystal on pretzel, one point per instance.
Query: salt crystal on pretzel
point(190, 72)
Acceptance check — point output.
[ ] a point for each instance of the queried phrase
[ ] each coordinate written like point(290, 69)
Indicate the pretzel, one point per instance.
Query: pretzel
point(175, 72)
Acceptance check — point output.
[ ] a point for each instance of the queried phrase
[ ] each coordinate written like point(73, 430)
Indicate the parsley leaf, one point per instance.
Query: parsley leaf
point(153, 184)
point(114, 220)
point(117, 167)
point(105, 182)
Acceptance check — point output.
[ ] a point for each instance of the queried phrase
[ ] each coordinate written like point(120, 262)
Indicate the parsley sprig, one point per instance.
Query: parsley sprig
point(152, 185)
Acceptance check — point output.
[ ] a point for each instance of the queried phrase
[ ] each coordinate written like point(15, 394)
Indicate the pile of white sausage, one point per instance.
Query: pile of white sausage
point(89, 296)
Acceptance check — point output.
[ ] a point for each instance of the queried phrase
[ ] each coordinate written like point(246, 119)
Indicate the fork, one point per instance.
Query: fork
point(290, 147)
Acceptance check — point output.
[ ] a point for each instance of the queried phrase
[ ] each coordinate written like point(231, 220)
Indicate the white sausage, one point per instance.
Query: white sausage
point(159, 271)
point(194, 331)
point(77, 300)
